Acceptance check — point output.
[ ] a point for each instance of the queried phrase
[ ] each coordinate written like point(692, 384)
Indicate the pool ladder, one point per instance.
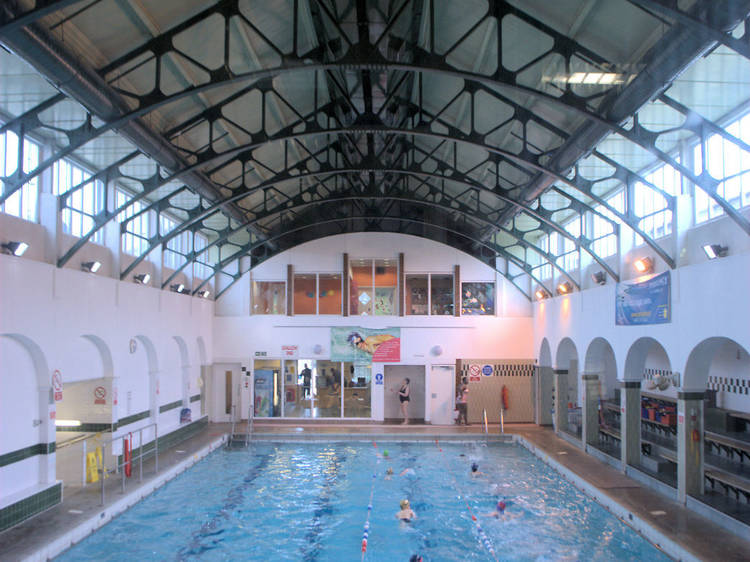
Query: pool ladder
point(241, 439)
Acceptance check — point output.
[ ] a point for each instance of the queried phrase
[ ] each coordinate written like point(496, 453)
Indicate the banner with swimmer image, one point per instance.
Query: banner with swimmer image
point(365, 345)
point(643, 302)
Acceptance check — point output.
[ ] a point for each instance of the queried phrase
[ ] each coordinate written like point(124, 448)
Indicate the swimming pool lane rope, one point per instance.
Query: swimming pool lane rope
point(366, 530)
point(482, 535)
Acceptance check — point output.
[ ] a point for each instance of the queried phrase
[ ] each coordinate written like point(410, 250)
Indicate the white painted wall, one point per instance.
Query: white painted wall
point(239, 335)
point(709, 299)
point(54, 308)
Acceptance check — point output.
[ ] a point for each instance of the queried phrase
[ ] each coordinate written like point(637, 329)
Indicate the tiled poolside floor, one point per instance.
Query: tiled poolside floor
point(705, 539)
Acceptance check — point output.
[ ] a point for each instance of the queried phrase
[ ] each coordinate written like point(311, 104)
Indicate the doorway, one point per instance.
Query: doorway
point(442, 392)
point(394, 377)
point(225, 392)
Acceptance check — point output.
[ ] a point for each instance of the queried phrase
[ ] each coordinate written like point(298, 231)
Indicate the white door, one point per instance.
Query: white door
point(442, 390)
point(225, 393)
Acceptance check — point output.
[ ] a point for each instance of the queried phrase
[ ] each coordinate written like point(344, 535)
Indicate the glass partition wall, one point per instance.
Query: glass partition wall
point(312, 388)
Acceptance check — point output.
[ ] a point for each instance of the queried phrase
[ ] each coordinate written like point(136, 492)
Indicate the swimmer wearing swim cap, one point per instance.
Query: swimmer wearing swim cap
point(499, 510)
point(406, 513)
point(475, 470)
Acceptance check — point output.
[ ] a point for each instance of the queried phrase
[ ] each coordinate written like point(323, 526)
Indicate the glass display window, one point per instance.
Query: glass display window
point(329, 293)
point(416, 295)
point(269, 297)
point(441, 295)
point(478, 299)
point(305, 291)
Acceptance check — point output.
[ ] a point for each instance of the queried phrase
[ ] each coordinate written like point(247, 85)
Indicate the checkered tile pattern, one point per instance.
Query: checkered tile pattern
point(732, 385)
point(649, 374)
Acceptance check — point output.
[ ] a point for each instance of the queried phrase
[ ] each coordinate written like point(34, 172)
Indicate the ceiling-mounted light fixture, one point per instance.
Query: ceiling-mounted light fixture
point(600, 278)
point(714, 251)
point(15, 248)
point(541, 293)
point(177, 288)
point(143, 278)
point(91, 266)
point(564, 288)
point(644, 265)
point(205, 293)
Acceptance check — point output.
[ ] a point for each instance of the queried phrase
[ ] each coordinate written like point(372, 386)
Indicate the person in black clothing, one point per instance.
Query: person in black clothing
point(306, 377)
point(403, 396)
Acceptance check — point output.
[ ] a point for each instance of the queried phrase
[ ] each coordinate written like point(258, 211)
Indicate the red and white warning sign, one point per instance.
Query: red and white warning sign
point(57, 386)
point(475, 373)
point(100, 394)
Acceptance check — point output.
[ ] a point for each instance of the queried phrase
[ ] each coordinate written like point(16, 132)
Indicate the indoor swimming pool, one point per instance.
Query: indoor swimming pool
point(309, 501)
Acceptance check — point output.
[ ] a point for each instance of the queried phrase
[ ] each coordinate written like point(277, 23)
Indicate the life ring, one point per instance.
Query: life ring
point(505, 397)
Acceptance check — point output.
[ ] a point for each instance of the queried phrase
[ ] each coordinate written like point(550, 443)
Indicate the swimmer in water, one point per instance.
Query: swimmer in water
point(408, 472)
point(499, 510)
point(475, 470)
point(406, 513)
point(389, 474)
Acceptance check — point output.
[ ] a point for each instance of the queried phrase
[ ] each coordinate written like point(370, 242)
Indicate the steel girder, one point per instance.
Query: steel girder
point(700, 21)
point(641, 134)
point(397, 193)
point(375, 222)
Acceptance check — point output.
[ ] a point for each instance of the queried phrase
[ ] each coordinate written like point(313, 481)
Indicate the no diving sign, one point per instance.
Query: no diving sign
point(100, 394)
point(57, 385)
point(475, 373)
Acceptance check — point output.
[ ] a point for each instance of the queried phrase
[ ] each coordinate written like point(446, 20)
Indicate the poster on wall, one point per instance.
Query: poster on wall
point(644, 302)
point(263, 393)
point(365, 345)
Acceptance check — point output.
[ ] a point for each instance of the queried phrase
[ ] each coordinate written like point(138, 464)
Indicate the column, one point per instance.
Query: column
point(544, 395)
point(630, 423)
point(590, 431)
point(560, 419)
point(689, 444)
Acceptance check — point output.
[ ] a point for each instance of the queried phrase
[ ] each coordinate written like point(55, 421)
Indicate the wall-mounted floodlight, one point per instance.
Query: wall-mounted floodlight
point(143, 278)
point(541, 293)
point(714, 251)
point(15, 248)
point(644, 265)
point(564, 288)
point(177, 288)
point(91, 266)
point(600, 278)
point(205, 293)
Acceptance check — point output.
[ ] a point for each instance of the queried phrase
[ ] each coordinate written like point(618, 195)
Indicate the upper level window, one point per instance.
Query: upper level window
point(23, 203)
point(269, 297)
point(569, 248)
point(373, 287)
point(317, 293)
point(604, 237)
point(729, 164)
point(177, 247)
point(201, 269)
point(83, 204)
point(651, 205)
point(135, 239)
point(441, 294)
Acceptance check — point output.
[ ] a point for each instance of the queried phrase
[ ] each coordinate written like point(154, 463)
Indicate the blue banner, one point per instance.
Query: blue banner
point(644, 302)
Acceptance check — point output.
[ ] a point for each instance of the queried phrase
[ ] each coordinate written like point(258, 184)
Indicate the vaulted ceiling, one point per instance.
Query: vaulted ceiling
point(482, 124)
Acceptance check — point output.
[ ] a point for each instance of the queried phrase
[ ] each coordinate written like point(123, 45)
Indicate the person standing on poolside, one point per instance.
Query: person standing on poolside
point(403, 396)
point(462, 402)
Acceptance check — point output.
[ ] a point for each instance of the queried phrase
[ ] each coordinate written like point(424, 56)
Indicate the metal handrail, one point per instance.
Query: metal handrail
point(119, 467)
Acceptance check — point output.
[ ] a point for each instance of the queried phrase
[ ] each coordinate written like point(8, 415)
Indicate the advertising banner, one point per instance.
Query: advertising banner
point(644, 302)
point(365, 345)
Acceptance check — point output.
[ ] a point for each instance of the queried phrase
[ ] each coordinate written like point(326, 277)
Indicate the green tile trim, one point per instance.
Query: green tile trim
point(26, 452)
point(87, 427)
point(195, 398)
point(132, 419)
point(171, 439)
point(28, 507)
point(170, 406)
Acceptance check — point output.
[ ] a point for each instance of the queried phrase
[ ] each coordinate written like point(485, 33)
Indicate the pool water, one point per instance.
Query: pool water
point(309, 501)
